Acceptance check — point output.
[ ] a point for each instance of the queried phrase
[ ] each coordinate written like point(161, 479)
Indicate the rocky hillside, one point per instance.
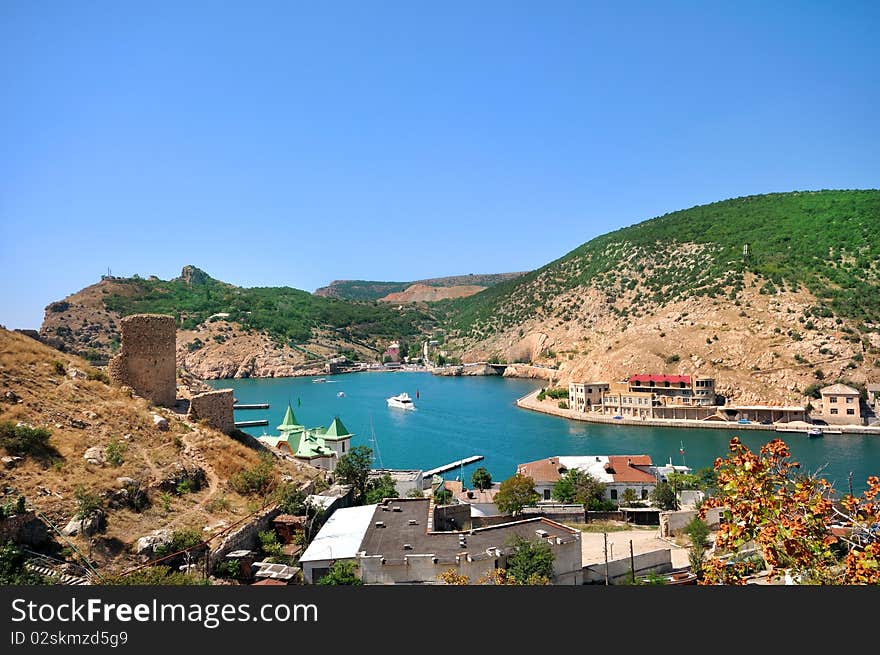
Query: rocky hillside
point(229, 331)
point(373, 290)
point(147, 468)
point(771, 294)
point(425, 293)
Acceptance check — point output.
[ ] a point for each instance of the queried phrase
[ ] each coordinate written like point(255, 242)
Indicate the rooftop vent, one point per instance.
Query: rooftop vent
point(407, 546)
point(435, 560)
point(396, 508)
point(541, 533)
point(380, 524)
point(413, 522)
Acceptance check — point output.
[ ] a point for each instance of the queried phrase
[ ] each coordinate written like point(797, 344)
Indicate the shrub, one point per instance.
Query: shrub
point(269, 544)
point(672, 359)
point(258, 480)
point(87, 502)
point(23, 439)
point(152, 576)
point(115, 452)
point(59, 367)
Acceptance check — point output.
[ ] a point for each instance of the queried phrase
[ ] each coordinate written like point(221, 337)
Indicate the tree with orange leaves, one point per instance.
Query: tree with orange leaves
point(786, 516)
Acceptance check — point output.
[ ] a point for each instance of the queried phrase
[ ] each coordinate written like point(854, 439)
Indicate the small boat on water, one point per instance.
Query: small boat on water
point(812, 433)
point(319, 380)
point(401, 401)
point(341, 394)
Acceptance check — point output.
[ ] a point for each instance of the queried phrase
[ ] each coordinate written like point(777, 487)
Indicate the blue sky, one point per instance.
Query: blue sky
point(284, 143)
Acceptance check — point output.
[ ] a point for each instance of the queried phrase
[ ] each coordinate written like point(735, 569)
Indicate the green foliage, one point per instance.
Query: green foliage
point(12, 567)
point(291, 500)
point(269, 544)
point(825, 241)
point(286, 314)
point(442, 496)
point(562, 404)
point(629, 497)
point(59, 367)
point(663, 496)
point(11, 508)
point(531, 563)
point(515, 493)
point(257, 480)
point(21, 440)
point(481, 478)
point(165, 497)
point(681, 481)
point(672, 359)
point(182, 539)
point(96, 374)
point(156, 576)
point(381, 488)
point(582, 488)
point(115, 452)
point(557, 392)
point(354, 468)
point(341, 573)
point(87, 502)
point(230, 568)
point(813, 390)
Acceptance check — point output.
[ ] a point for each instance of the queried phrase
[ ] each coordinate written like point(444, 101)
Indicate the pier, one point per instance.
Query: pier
point(454, 465)
point(252, 424)
point(252, 406)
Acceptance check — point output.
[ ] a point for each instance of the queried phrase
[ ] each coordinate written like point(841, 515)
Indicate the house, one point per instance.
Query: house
point(840, 405)
point(316, 446)
point(405, 480)
point(583, 396)
point(482, 503)
point(648, 396)
point(874, 398)
point(392, 352)
point(391, 543)
point(617, 472)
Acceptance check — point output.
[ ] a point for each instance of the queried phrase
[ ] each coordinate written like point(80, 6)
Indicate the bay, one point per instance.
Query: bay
point(457, 417)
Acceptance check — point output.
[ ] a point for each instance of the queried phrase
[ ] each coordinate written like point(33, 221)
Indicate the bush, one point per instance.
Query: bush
point(672, 359)
point(59, 367)
point(269, 544)
point(258, 480)
point(100, 376)
point(87, 502)
point(182, 539)
point(115, 452)
point(562, 404)
point(21, 440)
point(291, 500)
point(152, 576)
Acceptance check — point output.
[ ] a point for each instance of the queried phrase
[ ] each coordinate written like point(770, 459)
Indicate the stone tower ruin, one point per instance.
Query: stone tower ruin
point(146, 360)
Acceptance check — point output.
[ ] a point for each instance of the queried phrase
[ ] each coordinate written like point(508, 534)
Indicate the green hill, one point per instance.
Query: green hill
point(285, 313)
point(825, 241)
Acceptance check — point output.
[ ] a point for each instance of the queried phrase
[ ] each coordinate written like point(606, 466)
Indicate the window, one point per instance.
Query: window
point(834, 410)
point(614, 494)
point(850, 411)
point(343, 446)
point(644, 494)
point(546, 494)
point(849, 400)
point(832, 399)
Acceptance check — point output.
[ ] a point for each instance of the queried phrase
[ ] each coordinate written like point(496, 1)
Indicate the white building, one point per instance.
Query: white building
point(616, 472)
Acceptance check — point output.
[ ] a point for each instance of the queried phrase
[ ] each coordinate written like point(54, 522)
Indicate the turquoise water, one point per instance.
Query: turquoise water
point(456, 417)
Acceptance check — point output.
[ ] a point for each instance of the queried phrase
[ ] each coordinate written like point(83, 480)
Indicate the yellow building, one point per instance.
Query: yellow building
point(840, 404)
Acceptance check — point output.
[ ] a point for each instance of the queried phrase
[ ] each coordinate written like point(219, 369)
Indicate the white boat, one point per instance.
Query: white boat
point(341, 394)
point(319, 380)
point(403, 401)
point(814, 432)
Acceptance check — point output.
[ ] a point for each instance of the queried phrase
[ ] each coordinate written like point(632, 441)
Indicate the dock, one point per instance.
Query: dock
point(453, 465)
point(252, 424)
point(252, 406)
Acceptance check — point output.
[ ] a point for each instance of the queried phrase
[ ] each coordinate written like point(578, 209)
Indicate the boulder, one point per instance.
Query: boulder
point(86, 526)
point(76, 374)
point(90, 415)
point(125, 482)
point(192, 476)
point(10, 461)
point(160, 422)
point(146, 546)
point(94, 455)
point(12, 397)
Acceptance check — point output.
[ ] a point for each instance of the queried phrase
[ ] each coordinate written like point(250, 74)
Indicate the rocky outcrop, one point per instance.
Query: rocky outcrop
point(425, 293)
point(91, 524)
point(182, 475)
point(147, 545)
point(94, 455)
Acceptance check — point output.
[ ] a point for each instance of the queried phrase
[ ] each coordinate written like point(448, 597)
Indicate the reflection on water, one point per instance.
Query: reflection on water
point(457, 417)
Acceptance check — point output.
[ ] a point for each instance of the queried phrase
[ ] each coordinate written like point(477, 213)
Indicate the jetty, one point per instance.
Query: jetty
point(453, 465)
point(252, 406)
point(252, 424)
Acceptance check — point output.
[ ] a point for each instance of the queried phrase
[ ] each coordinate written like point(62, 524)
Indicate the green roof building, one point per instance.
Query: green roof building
point(338, 437)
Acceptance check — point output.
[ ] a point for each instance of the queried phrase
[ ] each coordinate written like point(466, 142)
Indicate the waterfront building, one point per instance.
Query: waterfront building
point(617, 472)
point(840, 405)
point(405, 480)
point(583, 396)
point(391, 543)
point(316, 446)
point(659, 396)
point(874, 399)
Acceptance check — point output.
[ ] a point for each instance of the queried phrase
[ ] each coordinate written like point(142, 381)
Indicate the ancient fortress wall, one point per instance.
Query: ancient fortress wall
point(215, 407)
point(146, 359)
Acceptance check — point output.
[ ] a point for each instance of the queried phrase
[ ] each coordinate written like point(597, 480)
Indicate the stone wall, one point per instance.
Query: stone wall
point(245, 537)
point(214, 407)
point(620, 570)
point(146, 359)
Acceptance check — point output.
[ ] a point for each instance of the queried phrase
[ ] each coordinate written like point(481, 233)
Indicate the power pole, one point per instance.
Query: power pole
point(632, 561)
point(605, 537)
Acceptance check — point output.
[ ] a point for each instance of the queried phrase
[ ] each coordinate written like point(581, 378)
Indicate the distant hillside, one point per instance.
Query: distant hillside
point(375, 290)
point(230, 331)
point(807, 280)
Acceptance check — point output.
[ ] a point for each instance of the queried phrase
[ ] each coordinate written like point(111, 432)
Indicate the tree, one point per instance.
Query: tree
point(788, 517)
point(453, 577)
point(341, 573)
point(12, 567)
point(663, 496)
point(698, 532)
point(442, 496)
point(531, 563)
point(582, 488)
point(515, 493)
point(629, 497)
point(381, 488)
point(354, 468)
point(481, 478)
